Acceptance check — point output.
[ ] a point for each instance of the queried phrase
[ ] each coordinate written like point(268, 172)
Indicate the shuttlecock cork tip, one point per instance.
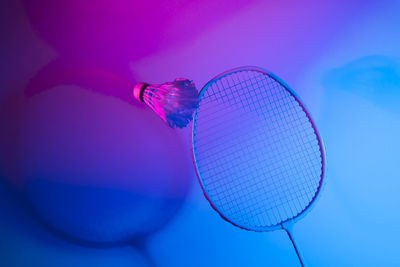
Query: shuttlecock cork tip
point(138, 91)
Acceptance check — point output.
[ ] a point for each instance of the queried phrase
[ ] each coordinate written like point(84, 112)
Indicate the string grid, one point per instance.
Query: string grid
point(257, 153)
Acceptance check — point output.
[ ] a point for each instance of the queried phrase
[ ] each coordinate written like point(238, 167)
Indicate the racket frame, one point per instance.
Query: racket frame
point(308, 208)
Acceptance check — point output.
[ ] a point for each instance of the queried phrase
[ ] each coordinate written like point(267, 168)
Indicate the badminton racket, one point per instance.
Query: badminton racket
point(257, 153)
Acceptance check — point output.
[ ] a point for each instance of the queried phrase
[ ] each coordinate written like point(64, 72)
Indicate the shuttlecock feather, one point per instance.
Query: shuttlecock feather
point(174, 102)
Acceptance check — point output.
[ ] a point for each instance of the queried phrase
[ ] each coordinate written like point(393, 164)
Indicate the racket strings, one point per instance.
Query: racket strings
point(256, 150)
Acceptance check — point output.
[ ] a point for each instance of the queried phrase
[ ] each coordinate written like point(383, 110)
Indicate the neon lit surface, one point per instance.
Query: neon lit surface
point(342, 57)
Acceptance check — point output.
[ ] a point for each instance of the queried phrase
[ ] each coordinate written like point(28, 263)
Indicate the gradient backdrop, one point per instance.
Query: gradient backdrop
point(88, 177)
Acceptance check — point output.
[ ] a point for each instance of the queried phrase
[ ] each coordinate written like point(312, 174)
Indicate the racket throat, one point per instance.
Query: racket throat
point(288, 227)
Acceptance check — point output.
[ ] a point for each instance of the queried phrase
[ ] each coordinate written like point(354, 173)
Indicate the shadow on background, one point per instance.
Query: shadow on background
point(98, 169)
point(122, 30)
point(375, 78)
point(25, 242)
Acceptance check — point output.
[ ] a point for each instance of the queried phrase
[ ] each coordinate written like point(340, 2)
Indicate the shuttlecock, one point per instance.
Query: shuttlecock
point(174, 102)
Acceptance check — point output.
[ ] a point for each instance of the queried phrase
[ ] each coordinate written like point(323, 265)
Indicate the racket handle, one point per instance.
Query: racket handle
point(288, 227)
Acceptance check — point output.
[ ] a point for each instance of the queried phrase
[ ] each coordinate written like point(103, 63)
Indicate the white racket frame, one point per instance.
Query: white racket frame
point(287, 224)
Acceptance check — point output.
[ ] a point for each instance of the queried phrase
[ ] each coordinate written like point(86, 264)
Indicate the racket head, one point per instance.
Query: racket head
point(215, 204)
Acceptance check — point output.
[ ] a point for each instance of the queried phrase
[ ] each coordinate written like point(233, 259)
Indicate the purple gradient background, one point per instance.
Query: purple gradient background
point(89, 177)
